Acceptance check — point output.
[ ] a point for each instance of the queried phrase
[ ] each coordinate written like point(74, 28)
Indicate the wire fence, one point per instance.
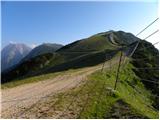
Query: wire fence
point(142, 68)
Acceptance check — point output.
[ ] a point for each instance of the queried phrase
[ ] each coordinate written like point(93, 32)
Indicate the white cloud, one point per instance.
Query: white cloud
point(12, 42)
point(33, 45)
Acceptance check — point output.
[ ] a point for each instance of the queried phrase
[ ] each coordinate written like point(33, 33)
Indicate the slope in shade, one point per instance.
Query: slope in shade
point(42, 49)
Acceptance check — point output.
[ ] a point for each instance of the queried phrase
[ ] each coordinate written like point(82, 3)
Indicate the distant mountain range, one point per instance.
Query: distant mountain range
point(81, 53)
point(12, 54)
point(42, 49)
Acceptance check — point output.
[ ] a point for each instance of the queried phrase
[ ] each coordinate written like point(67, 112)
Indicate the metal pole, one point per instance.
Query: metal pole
point(117, 76)
point(110, 64)
point(102, 67)
point(103, 64)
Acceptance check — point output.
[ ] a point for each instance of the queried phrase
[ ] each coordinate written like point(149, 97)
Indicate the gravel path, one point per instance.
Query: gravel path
point(18, 99)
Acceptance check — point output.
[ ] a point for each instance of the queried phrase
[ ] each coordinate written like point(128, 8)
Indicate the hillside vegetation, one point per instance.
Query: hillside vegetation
point(80, 50)
point(147, 57)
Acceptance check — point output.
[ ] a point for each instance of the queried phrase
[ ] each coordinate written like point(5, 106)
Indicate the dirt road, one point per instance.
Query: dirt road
point(18, 99)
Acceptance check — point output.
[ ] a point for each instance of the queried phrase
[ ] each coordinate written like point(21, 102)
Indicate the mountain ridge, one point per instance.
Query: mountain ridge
point(42, 49)
point(84, 47)
point(12, 54)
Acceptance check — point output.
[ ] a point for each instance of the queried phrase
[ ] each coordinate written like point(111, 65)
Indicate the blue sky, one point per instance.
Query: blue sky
point(34, 23)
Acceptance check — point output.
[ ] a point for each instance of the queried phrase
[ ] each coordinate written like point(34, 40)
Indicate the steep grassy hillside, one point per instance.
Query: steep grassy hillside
point(119, 37)
point(130, 100)
point(82, 53)
point(72, 52)
point(31, 66)
point(146, 58)
point(86, 60)
point(27, 67)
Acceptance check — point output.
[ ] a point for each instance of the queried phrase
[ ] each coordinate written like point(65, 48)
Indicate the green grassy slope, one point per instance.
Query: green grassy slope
point(43, 77)
point(93, 43)
point(27, 80)
point(147, 56)
point(27, 67)
point(82, 53)
point(87, 60)
point(139, 102)
point(67, 53)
